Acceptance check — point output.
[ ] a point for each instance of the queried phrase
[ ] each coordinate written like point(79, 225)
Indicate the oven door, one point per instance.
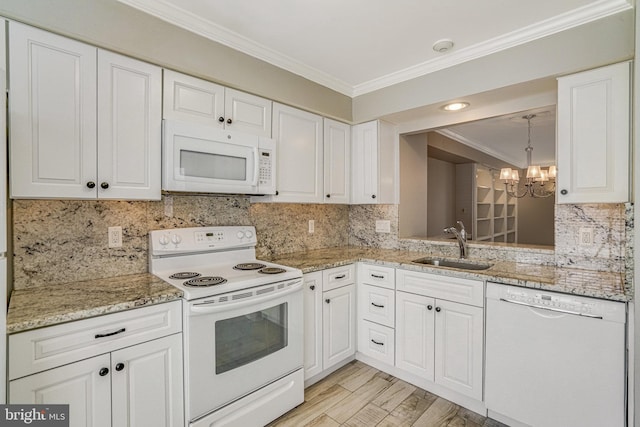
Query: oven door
point(198, 158)
point(238, 346)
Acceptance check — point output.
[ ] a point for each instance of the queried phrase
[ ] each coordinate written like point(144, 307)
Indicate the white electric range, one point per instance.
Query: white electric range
point(243, 324)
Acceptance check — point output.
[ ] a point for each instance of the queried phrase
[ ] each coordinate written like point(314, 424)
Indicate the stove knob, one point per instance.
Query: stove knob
point(164, 240)
point(175, 239)
point(248, 234)
point(240, 234)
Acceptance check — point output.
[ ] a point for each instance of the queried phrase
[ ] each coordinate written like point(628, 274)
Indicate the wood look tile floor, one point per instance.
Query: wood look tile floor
point(358, 395)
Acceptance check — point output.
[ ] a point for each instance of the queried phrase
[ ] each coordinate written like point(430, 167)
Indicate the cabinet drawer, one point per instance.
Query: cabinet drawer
point(337, 277)
point(377, 305)
point(376, 341)
point(466, 291)
point(377, 275)
point(41, 349)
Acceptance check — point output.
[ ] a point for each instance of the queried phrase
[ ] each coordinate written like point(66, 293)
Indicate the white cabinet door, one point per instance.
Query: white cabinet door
point(312, 324)
point(129, 124)
point(459, 331)
point(365, 163)
point(415, 334)
point(338, 325)
point(147, 384)
point(247, 113)
point(337, 161)
point(374, 163)
point(79, 384)
point(52, 115)
point(298, 136)
point(593, 136)
point(190, 99)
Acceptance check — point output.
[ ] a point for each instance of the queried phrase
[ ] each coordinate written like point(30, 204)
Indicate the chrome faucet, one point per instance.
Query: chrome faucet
point(461, 236)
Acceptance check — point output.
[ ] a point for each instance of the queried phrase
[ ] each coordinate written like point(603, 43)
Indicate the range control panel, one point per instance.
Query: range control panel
point(200, 239)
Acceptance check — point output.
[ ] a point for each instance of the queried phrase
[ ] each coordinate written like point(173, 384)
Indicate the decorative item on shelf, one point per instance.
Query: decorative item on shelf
point(537, 177)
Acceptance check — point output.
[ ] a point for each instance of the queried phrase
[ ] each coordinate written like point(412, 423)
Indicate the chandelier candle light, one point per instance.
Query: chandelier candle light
point(536, 176)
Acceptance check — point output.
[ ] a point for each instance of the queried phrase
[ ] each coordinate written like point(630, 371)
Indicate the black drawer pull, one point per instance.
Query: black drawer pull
point(119, 331)
point(377, 276)
point(377, 305)
point(376, 342)
point(342, 276)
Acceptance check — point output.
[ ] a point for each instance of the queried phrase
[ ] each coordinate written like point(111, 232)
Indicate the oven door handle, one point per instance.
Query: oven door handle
point(208, 308)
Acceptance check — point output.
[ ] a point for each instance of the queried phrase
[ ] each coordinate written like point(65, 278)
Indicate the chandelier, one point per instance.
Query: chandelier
point(540, 182)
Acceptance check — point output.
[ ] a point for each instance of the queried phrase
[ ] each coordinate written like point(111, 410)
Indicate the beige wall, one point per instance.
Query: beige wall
point(535, 220)
point(441, 209)
point(413, 185)
point(114, 26)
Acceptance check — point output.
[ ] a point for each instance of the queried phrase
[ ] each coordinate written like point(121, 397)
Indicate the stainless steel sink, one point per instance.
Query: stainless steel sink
point(460, 264)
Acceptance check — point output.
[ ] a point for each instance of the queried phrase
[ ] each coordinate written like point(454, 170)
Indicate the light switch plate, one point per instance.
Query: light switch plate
point(383, 226)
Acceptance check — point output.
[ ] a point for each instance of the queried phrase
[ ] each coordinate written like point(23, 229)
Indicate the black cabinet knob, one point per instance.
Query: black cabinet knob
point(328, 196)
point(103, 372)
point(119, 367)
point(373, 196)
point(429, 307)
point(91, 184)
point(277, 192)
point(221, 119)
point(312, 287)
point(104, 185)
point(327, 300)
point(438, 309)
point(229, 121)
point(564, 192)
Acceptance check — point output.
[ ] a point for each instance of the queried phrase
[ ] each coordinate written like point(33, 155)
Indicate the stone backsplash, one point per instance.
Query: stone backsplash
point(58, 241)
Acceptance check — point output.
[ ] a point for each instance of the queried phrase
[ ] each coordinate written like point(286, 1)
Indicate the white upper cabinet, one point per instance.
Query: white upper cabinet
point(337, 166)
point(374, 163)
point(52, 115)
point(85, 123)
point(593, 136)
point(298, 136)
point(191, 99)
point(129, 128)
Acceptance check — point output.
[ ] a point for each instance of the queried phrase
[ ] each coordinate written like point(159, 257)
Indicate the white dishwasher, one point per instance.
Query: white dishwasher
point(554, 359)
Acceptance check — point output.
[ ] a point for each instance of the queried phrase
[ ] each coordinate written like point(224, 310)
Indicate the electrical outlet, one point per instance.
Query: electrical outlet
point(115, 237)
point(585, 236)
point(312, 226)
point(383, 226)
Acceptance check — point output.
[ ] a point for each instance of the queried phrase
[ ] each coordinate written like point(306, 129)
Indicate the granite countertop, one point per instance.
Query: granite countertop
point(53, 304)
point(573, 281)
point(49, 305)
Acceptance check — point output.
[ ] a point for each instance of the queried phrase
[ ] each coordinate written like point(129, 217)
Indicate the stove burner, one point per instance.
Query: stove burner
point(184, 275)
point(271, 270)
point(249, 266)
point(205, 281)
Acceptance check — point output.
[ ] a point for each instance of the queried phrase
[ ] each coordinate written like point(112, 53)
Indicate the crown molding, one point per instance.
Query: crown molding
point(168, 12)
point(483, 149)
point(191, 22)
point(565, 21)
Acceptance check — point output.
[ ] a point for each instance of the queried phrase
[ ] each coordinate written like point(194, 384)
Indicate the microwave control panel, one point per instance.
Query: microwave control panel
point(266, 169)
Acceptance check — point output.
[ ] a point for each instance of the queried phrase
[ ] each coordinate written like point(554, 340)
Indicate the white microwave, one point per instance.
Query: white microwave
point(202, 159)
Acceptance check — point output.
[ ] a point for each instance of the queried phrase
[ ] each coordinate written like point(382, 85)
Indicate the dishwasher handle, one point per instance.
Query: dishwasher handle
point(557, 310)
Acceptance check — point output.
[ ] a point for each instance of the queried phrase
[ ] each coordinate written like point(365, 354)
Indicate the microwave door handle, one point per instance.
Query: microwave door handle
point(256, 167)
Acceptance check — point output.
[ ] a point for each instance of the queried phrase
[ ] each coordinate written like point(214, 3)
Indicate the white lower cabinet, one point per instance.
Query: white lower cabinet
point(139, 385)
point(440, 338)
point(329, 319)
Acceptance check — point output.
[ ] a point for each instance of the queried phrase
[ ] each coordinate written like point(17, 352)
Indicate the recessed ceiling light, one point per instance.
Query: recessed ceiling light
point(443, 45)
point(455, 106)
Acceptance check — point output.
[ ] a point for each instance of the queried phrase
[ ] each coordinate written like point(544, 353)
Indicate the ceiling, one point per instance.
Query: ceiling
point(505, 137)
point(359, 46)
